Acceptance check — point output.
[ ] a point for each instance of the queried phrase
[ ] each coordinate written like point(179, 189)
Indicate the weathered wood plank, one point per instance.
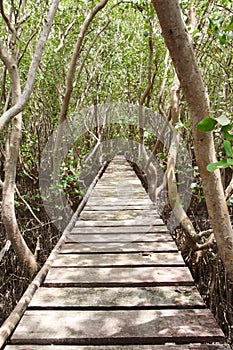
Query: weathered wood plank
point(122, 347)
point(119, 184)
point(117, 327)
point(130, 222)
point(157, 297)
point(119, 207)
point(121, 229)
point(120, 237)
point(118, 201)
point(119, 247)
point(118, 276)
point(125, 194)
point(129, 182)
point(135, 259)
point(118, 215)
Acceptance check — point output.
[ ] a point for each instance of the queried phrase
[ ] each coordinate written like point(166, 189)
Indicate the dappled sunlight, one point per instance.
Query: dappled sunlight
point(76, 326)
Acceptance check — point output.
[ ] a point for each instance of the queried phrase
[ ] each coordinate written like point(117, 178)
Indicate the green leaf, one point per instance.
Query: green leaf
point(230, 161)
point(228, 136)
point(211, 23)
point(214, 166)
point(226, 129)
point(228, 148)
point(223, 120)
point(230, 25)
point(216, 31)
point(206, 124)
point(222, 39)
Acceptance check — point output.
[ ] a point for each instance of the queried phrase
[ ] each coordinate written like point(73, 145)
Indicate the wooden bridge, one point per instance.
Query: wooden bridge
point(118, 281)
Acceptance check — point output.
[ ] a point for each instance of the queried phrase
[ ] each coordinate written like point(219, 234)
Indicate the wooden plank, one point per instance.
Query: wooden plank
point(130, 182)
point(144, 297)
point(117, 327)
point(119, 184)
point(118, 276)
point(119, 247)
point(130, 222)
point(119, 207)
point(120, 229)
point(118, 214)
point(120, 237)
point(122, 347)
point(133, 259)
point(129, 194)
point(118, 201)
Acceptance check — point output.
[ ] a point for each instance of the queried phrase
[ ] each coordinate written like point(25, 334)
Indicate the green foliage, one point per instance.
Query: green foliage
point(115, 69)
point(208, 124)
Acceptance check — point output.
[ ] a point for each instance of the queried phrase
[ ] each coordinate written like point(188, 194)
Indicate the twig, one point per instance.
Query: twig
point(229, 188)
point(206, 245)
point(6, 19)
point(28, 206)
point(5, 249)
point(62, 40)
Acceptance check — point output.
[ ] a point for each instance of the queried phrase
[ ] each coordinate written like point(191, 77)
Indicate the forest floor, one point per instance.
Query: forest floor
point(206, 268)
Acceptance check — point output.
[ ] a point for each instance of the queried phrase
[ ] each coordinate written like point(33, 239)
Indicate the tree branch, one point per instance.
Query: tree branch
point(75, 56)
point(27, 205)
point(229, 188)
point(20, 105)
point(6, 19)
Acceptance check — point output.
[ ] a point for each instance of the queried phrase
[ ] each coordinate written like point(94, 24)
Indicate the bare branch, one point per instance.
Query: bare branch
point(27, 205)
point(148, 87)
point(229, 188)
point(167, 64)
point(64, 36)
point(5, 249)
point(206, 245)
point(89, 49)
point(75, 56)
point(6, 19)
point(27, 44)
point(154, 151)
point(22, 20)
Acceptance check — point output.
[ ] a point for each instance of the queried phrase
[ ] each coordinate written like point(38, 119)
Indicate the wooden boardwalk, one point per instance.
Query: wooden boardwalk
point(118, 282)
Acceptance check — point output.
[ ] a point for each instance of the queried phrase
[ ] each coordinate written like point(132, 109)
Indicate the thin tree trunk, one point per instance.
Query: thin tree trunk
point(26, 258)
point(74, 59)
point(24, 254)
point(180, 46)
point(173, 194)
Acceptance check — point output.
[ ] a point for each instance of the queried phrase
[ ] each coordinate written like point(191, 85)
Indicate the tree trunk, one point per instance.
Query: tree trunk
point(180, 46)
point(75, 56)
point(19, 100)
point(25, 256)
